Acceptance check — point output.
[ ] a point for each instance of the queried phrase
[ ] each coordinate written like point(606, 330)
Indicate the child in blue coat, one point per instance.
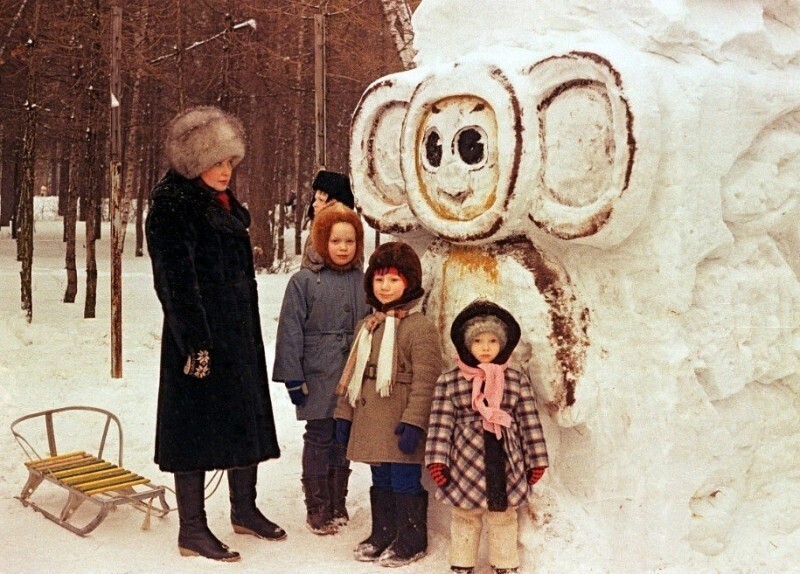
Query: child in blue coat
point(321, 307)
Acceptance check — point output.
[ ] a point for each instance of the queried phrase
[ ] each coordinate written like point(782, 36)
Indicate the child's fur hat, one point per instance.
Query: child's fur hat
point(321, 233)
point(200, 137)
point(479, 317)
point(485, 324)
point(336, 185)
point(402, 257)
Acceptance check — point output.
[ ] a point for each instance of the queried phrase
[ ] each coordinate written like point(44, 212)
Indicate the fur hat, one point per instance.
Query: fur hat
point(200, 137)
point(403, 258)
point(336, 185)
point(485, 324)
point(479, 317)
point(321, 233)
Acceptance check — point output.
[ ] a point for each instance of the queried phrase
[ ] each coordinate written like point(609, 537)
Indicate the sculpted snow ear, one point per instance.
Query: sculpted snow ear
point(375, 173)
point(591, 168)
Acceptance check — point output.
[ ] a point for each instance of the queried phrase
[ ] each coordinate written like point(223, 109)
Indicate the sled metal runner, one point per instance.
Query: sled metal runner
point(84, 476)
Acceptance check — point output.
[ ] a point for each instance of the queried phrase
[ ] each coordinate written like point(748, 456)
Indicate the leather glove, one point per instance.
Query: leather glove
point(198, 364)
point(409, 437)
point(440, 474)
point(343, 430)
point(534, 474)
point(298, 392)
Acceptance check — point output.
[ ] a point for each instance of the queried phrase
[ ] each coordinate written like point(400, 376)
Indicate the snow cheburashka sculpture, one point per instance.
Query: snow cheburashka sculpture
point(495, 163)
point(634, 204)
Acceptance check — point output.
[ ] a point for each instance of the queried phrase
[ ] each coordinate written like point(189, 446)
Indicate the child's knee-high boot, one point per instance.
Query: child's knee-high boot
point(411, 542)
point(384, 526)
point(246, 518)
point(194, 537)
point(338, 477)
point(318, 505)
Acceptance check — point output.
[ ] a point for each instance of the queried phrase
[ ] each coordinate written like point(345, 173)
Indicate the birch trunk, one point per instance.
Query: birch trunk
point(397, 15)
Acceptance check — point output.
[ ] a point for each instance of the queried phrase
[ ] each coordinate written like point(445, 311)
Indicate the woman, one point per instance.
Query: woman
point(214, 409)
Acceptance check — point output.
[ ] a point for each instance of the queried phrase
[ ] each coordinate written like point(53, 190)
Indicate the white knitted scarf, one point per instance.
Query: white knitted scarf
point(353, 374)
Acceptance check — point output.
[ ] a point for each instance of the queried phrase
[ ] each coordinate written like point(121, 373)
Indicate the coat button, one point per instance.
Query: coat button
point(363, 402)
point(347, 308)
point(339, 337)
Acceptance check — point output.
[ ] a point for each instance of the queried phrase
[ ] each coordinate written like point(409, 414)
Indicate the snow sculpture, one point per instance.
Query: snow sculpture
point(626, 179)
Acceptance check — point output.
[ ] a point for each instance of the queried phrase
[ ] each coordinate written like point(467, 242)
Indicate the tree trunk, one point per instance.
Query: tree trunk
point(91, 196)
point(25, 207)
point(397, 15)
point(25, 210)
point(297, 185)
point(8, 187)
point(70, 225)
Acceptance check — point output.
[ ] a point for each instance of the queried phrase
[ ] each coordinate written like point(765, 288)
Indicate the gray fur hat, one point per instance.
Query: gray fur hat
point(485, 324)
point(200, 137)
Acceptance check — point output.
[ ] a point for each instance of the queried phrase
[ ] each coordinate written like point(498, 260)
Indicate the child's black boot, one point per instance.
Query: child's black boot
point(384, 527)
point(338, 477)
point(411, 543)
point(318, 506)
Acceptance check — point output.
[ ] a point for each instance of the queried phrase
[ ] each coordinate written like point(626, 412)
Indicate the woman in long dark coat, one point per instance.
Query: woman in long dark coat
point(214, 408)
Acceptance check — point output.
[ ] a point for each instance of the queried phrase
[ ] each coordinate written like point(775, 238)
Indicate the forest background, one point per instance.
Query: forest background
point(258, 59)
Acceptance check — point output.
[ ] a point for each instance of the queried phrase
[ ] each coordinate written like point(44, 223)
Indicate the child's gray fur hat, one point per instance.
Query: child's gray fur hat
point(485, 324)
point(200, 137)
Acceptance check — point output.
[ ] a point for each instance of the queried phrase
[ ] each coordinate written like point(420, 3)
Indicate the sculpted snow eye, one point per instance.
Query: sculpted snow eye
point(470, 143)
point(433, 149)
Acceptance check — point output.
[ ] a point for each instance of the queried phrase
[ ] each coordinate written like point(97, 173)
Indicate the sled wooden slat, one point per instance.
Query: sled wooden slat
point(82, 469)
point(129, 483)
point(82, 478)
point(57, 460)
point(86, 477)
point(128, 476)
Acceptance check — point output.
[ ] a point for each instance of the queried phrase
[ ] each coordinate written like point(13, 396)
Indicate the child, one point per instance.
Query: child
point(485, 443)
point(386, 389)
point(330, 188)
point(320, 310)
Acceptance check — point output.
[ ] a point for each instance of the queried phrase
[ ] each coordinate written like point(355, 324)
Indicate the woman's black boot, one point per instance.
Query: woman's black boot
point(194, 537)
point(246, 518)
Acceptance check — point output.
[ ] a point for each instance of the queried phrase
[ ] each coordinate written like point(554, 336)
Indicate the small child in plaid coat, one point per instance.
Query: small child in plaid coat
point(485, 445)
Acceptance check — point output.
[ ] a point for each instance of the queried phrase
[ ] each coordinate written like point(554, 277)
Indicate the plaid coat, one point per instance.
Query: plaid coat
point(455, 439)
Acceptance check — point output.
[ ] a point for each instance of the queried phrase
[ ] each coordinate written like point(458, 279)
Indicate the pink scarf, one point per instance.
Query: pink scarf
point(487, 402)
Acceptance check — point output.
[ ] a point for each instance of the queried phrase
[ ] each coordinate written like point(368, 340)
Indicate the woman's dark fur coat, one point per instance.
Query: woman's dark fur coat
point(204, 277)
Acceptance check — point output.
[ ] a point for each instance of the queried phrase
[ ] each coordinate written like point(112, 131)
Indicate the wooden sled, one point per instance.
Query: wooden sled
point(85, 476)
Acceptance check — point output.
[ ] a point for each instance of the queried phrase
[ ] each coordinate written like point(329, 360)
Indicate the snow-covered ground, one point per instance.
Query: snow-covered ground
point(61, 359)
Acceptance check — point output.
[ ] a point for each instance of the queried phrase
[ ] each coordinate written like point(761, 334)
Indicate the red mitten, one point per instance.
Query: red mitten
point(439, 473)
point(534, 474)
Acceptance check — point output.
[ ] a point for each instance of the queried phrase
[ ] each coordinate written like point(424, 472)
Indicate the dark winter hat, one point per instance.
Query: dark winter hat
point(479, 317)
point(402, 257)
point(321, 233)
point(200, 137)
point(336, 185)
